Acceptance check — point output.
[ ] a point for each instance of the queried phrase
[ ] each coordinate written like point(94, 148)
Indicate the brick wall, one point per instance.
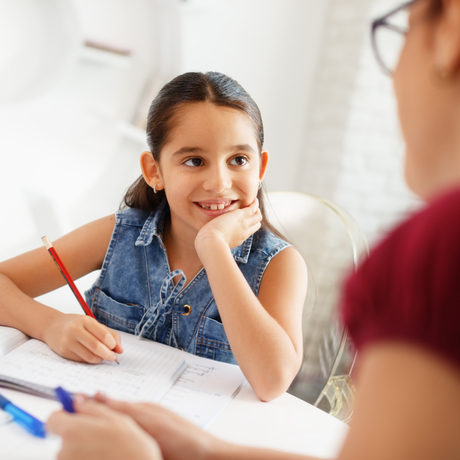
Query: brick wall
point(353, 149)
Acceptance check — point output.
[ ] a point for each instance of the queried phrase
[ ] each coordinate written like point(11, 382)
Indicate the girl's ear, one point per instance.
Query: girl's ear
point(263, 164)
point(447, 39)
point(151, 170)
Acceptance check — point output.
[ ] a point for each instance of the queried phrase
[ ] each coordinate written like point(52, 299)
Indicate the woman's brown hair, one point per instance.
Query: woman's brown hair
point(188, 88)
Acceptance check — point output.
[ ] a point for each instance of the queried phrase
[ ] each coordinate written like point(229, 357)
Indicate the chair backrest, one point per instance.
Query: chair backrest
point(332, 245)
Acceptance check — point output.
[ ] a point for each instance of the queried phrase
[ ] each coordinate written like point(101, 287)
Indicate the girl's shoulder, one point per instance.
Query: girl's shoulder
point(266, 241)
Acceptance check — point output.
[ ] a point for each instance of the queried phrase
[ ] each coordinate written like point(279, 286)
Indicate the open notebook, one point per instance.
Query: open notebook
point(196, 388)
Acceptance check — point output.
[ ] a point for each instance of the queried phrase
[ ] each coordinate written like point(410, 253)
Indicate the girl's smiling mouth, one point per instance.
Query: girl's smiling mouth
point(215, 206)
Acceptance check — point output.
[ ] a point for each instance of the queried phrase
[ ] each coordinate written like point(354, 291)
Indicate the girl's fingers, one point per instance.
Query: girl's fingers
point(118, 347)
point(102, 333)
point(101, 341)
point(85, 354)
point(254, 206)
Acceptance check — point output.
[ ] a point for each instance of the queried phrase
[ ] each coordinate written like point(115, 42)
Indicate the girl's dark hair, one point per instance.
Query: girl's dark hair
point(188, 88)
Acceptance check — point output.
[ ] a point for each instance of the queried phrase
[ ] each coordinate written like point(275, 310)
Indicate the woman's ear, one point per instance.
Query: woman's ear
point(151, 170)
point(263, 164)
point(447, 39)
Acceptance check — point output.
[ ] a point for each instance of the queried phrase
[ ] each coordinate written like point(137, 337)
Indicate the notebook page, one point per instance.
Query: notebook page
point(145, 372)
point(10, 338)
point(203, 389)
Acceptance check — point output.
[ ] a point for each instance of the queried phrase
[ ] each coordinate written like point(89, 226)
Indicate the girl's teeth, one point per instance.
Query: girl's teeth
point(214, 207)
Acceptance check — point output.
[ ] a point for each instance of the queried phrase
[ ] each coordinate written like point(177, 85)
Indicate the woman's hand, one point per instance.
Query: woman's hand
point(178, 438)
point(233, 227)
point(97, 432)
point(81, 338)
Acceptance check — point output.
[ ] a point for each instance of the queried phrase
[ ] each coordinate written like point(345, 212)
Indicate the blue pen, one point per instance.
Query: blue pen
point(65, 398)
point(31, 424)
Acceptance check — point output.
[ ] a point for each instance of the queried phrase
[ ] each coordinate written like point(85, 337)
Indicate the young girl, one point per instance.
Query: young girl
point(190, 260)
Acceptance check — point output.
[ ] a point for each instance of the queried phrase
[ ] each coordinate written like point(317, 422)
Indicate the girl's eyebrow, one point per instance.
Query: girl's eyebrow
point(245, 147)
point(188, 150)
point(233, 148)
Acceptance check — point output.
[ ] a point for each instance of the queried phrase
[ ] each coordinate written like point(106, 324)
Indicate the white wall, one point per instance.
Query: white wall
point(353, 150)
point(270, 47)
point(67, 156)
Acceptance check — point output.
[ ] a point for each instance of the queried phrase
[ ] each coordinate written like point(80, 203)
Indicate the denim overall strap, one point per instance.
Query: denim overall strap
point(156, 322)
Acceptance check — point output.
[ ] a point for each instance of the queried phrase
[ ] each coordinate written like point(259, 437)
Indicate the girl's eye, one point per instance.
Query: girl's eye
point(194, 162)
point(239, 161)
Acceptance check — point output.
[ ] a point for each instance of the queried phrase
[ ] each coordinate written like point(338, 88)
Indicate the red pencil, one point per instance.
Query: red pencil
point(68, 278)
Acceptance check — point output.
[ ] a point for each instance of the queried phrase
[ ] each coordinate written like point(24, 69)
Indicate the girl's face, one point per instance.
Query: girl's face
point(427, 106)
point(210, 165)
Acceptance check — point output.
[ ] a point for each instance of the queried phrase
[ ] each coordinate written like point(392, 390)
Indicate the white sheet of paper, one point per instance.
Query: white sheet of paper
point(145, 372)
point(200, 389)
point(203, 389)
point(10, 338)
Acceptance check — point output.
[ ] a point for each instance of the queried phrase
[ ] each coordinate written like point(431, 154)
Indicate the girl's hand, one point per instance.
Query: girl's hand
point(178, 438)
point(82, 338)
point(234, 227)
point(96, 432)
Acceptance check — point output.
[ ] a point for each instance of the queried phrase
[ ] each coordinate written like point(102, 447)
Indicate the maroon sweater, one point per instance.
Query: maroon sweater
point(409, 287)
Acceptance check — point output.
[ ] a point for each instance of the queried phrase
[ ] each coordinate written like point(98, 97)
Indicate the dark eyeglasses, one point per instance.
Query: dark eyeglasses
point(388, 36)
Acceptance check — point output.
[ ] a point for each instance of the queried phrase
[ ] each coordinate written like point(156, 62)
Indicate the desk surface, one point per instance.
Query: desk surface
point(286, 423)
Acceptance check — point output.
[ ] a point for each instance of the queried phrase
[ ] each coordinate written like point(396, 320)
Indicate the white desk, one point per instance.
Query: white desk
point(286, 423)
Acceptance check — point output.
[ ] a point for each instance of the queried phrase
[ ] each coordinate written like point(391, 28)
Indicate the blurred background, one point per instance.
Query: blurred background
point(77, 78)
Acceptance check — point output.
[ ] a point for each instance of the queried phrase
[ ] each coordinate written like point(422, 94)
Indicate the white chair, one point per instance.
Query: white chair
point(332, 245)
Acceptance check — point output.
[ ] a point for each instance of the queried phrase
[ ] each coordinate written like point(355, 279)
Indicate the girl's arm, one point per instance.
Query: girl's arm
point(34, 273)
point(264, 332)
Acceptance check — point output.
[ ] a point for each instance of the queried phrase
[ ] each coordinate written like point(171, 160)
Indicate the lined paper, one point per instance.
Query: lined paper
point(10, 339)
point(203, 390)
point(194, 387)
point(145, 373)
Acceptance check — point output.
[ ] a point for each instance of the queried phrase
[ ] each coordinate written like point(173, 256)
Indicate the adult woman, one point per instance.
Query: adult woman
point(401, 308)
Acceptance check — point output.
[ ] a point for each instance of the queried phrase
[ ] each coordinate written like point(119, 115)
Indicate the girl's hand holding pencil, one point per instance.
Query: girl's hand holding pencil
point(76, 337)
point(82, 338)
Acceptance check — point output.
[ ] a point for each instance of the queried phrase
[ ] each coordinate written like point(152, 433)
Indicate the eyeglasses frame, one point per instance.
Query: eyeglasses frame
point(383, 22)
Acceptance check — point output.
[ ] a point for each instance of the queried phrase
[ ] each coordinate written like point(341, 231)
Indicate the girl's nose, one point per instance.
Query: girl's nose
point(217, 180)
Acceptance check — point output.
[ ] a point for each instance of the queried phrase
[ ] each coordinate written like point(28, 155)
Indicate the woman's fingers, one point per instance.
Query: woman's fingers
point(96, 432)
point(66, 425)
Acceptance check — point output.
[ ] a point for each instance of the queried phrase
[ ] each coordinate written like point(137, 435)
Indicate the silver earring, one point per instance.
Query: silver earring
point(260, 185)
point(155, 188)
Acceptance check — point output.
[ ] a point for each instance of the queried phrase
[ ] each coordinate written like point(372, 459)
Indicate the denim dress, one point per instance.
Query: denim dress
point(135, 291)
